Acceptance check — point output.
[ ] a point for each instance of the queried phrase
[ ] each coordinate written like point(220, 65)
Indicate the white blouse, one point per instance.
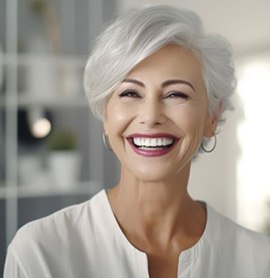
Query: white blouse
point(85, 240)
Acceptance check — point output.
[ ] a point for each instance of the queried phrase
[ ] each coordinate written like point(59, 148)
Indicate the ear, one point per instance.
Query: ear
point(105, 122)
point(212, 121)
point(105, 127)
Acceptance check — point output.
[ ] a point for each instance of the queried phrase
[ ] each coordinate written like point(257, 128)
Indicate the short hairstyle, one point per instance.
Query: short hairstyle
point(139, 33)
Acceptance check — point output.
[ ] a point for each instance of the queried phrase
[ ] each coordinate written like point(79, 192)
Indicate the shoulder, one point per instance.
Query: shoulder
point(57, 227)
point(235, 232)
point(59, 237)
point(242, 244)
point(227, 249)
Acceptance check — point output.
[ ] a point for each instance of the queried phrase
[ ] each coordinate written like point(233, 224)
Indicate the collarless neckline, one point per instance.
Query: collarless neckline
point(185, 256)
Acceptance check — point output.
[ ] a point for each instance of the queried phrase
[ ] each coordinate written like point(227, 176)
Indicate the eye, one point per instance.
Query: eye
point(129, 93)
point(176, 95)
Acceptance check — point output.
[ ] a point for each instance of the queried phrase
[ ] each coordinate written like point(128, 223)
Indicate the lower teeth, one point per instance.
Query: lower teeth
point(152, 148)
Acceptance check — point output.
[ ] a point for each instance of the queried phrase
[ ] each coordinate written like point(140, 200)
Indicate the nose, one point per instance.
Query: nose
point(152, 113)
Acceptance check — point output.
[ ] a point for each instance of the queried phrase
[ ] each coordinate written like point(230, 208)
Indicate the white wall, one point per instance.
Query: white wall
point(244, 22)
point(213, 176)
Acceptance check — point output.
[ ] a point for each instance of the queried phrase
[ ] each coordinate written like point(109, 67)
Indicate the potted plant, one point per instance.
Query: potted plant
point(63, 159)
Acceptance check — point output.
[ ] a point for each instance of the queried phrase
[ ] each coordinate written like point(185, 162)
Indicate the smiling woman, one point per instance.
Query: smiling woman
point(160, 85)
point(168, 104)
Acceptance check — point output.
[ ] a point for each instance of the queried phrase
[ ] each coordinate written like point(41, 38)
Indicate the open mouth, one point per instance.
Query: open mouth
point(151, 143)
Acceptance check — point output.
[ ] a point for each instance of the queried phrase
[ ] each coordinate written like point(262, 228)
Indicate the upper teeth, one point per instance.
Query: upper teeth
point(152, 142)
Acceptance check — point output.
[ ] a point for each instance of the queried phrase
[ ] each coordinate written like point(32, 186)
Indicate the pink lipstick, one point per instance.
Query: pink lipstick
point(151, 145)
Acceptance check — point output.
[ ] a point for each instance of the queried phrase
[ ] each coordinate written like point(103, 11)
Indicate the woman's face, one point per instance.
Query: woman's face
point(156, 117)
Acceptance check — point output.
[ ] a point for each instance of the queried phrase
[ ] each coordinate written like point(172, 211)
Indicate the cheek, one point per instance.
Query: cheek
point(117, 118)
point(190, 117)
point(191, 122)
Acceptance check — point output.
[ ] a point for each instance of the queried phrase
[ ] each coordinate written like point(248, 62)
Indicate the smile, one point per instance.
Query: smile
point(152, 145)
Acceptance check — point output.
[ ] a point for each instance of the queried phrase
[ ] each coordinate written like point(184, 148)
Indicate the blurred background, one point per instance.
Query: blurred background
point(51, 150)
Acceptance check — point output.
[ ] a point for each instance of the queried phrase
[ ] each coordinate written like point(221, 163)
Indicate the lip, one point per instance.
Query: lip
point(154, 152)
point(152, 135)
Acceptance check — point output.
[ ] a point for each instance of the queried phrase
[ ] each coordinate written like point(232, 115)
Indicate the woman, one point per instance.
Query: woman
point(160, 86)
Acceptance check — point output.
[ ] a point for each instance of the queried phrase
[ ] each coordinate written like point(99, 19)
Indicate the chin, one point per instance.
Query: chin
point(151, 174)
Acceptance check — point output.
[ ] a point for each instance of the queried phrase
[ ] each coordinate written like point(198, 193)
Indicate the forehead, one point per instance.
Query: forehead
point(171, 61)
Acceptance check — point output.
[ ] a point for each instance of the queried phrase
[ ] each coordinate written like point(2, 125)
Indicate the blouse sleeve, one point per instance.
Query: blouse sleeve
point(13, 267)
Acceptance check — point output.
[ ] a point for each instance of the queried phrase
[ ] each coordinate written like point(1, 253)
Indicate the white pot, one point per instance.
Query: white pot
point(29, 170)
point(64, 168)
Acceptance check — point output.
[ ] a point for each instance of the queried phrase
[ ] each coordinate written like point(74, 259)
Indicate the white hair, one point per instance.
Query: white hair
point(141, 32)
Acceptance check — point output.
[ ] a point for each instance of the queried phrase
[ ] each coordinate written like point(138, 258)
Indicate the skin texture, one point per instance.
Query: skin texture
point(151, 202)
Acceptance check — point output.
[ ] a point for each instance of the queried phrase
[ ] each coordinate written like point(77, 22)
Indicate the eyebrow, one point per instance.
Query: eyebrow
point(164, 84)
point(134, 81)
point(178, 81)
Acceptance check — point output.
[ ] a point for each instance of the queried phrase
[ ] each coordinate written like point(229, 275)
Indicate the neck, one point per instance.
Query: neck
point(144, 208)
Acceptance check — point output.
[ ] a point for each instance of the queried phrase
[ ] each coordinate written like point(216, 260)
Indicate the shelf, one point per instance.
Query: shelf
point(28, 101)
point(47, 81)
point(82, 188)
point(39, 80)
point(28, 59)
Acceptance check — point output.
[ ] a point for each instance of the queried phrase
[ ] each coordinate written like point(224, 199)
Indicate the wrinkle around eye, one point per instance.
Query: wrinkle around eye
point(129, 94)
point(178, 95)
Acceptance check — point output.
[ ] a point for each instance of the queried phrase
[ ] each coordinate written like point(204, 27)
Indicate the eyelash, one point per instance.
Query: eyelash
point(134, 94)
point(129, 93)
point(177, 95)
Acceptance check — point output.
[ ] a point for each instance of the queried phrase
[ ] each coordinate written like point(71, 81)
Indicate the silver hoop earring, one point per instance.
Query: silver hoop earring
point(213, 147)
point(106, 142)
